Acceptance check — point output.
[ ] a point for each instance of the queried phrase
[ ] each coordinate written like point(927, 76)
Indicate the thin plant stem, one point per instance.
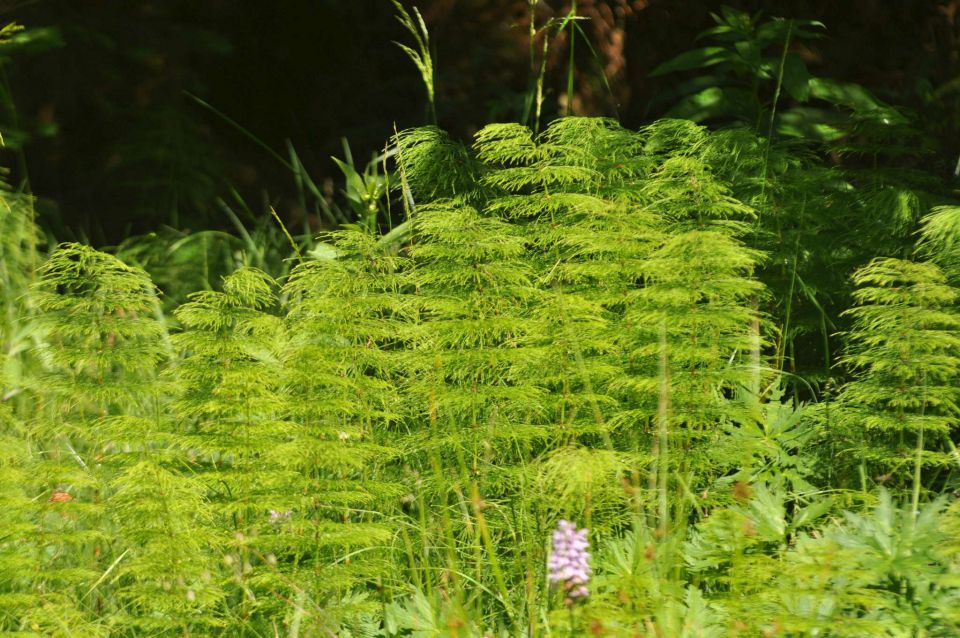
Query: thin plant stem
point(570, 64)
point(532, 80)
point(918, 463)
point(663, 415)
point(538, 108)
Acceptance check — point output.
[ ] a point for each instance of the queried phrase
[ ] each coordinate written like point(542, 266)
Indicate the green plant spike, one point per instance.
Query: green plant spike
point(341, 369)
point(904, 351)
point(97, 430)
point(231, 409)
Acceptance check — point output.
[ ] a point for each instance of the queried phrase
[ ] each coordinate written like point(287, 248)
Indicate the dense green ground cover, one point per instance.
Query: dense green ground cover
point(587, 324)
point(730, 357)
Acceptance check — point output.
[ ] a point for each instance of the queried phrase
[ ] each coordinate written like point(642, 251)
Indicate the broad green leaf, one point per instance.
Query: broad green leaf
point(812, 512)
point(750, 53)
point(715, 102)
point(696, 59)
point(796, 77)
point(355, 186)
point(855, 97)
point(811, 123)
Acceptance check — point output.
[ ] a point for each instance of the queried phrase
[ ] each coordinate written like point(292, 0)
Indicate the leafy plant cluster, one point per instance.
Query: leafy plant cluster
point(730, 358)
point(585, 324)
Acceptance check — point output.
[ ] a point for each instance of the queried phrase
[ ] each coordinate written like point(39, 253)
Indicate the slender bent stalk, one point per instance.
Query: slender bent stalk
point(663, 415)
point(573, 39)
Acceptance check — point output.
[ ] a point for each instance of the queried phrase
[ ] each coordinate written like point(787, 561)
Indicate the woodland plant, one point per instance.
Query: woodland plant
point(900, 411)
point(588, 323)
point(635, 329)
point(342, 315)
point(569, 563)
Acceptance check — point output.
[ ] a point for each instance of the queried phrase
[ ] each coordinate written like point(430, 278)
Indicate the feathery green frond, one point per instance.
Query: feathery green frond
point(904, 347)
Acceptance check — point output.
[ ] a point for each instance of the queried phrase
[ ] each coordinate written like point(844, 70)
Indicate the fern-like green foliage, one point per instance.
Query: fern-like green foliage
point(698, 306)
point(116, 523)
point(588, 306)
point(579, 327)
point(641, 246)
point(940, 239)
point(16, 550)
point(101, 344)
point(340, 368)
point(472, 395)
point(588, 236)
point(901, 408)
point(472, 327)
point(229, 396)
point(433, 166)
point(18, 262)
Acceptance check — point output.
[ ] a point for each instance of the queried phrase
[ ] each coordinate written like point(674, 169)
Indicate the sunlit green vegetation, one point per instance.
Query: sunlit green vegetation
point(730, 357)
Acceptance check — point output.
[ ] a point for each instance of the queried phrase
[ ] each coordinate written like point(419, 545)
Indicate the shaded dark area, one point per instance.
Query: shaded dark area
point(104, 98)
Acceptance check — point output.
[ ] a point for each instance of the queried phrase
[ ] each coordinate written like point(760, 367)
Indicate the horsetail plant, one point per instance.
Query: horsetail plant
point(576, 329)
point(104, 465)
point(900, 409)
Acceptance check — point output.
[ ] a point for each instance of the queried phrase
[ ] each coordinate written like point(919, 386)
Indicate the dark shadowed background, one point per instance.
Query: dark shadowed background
point(117, 115)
